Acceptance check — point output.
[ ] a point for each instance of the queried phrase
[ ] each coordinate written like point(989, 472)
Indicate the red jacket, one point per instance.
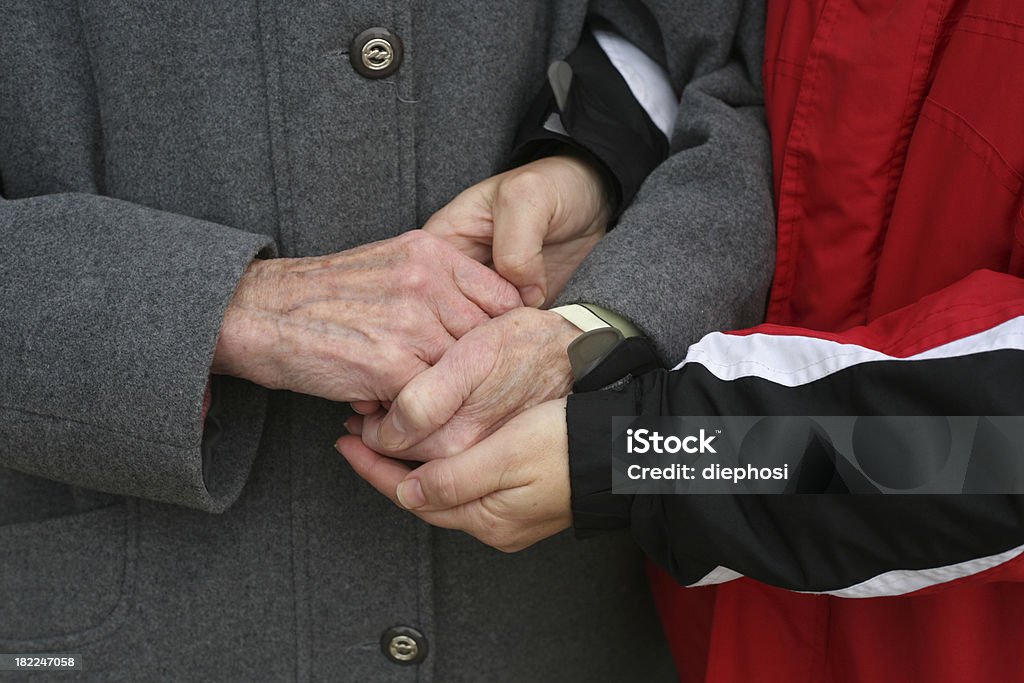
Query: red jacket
point(898, 140)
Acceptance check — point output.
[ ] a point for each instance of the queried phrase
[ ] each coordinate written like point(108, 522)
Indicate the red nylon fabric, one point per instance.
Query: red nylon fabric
point(898, 139)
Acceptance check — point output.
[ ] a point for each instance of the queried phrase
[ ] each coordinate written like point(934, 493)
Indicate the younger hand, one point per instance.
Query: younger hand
point(535, 223)
point(509, 491)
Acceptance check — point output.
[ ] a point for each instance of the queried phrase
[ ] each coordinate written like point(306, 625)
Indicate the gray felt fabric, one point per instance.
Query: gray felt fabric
point(694, 253)
point(149, 149)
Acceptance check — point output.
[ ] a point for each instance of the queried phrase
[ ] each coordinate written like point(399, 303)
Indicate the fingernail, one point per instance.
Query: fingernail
point(354, 425)
point(337, 446)
point(345, 424)
point(391, 433)
point(533, 296)
point(410, 494)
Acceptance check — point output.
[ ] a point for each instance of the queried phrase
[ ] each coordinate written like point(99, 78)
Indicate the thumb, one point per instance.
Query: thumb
point(461, 234)
point(451, 482)
point(522, 218)
point(465, 221)
point(426, 403)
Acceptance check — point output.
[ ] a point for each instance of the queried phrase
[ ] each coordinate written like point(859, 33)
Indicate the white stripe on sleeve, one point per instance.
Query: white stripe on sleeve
point(793, 360)
point(646, 79)
point(895, 582)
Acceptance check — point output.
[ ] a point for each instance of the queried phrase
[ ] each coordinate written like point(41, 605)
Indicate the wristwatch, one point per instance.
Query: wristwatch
point(610, 347)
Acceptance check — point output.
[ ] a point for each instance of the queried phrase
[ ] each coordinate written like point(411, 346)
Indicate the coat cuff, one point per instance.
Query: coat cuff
point(595, 509)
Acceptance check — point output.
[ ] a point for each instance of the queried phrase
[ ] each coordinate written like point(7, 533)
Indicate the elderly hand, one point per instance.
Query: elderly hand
point(509, 491)
point(535, 223)
point(360, 324)
point(491, 374)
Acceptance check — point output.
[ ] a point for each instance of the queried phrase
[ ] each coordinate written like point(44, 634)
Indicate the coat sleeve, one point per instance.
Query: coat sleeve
point(110, 313)
point(109, 310)
point(957, 352)
point(693, 251)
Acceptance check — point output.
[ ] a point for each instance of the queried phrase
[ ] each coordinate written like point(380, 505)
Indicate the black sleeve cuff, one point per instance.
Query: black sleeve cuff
point(595, 509)
point(601, 119)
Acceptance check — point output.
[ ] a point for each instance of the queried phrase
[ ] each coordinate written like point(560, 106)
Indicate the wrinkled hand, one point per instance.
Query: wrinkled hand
point(509, 491)
point(491, 374)
point(535, 223)
point(360, 324)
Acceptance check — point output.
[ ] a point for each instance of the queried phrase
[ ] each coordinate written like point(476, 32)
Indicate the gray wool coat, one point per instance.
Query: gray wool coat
point(149, 149)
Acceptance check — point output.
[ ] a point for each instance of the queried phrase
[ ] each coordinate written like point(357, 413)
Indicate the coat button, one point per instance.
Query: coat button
point(376, 53)
point(403, 645)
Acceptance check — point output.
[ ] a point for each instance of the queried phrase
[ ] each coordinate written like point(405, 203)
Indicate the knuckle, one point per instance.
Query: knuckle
point(445, 486)
point(412, 403)
point(512, 263)
point(447, 448)
point(415, 277)
point(525, 185)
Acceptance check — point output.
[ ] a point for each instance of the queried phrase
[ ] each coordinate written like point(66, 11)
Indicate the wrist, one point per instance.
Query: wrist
point(603, 183)
point(247, 336)
point(565, 331)
point(538, 338)
point(561, 333)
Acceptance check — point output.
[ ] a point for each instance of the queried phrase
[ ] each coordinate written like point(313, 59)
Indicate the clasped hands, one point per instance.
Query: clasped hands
point(437, 352)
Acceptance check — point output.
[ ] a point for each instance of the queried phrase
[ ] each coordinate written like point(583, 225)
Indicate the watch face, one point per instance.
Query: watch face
point(590, 348)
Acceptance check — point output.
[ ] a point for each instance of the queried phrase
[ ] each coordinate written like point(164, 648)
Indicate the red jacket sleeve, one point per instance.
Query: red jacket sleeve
point(957, 352)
